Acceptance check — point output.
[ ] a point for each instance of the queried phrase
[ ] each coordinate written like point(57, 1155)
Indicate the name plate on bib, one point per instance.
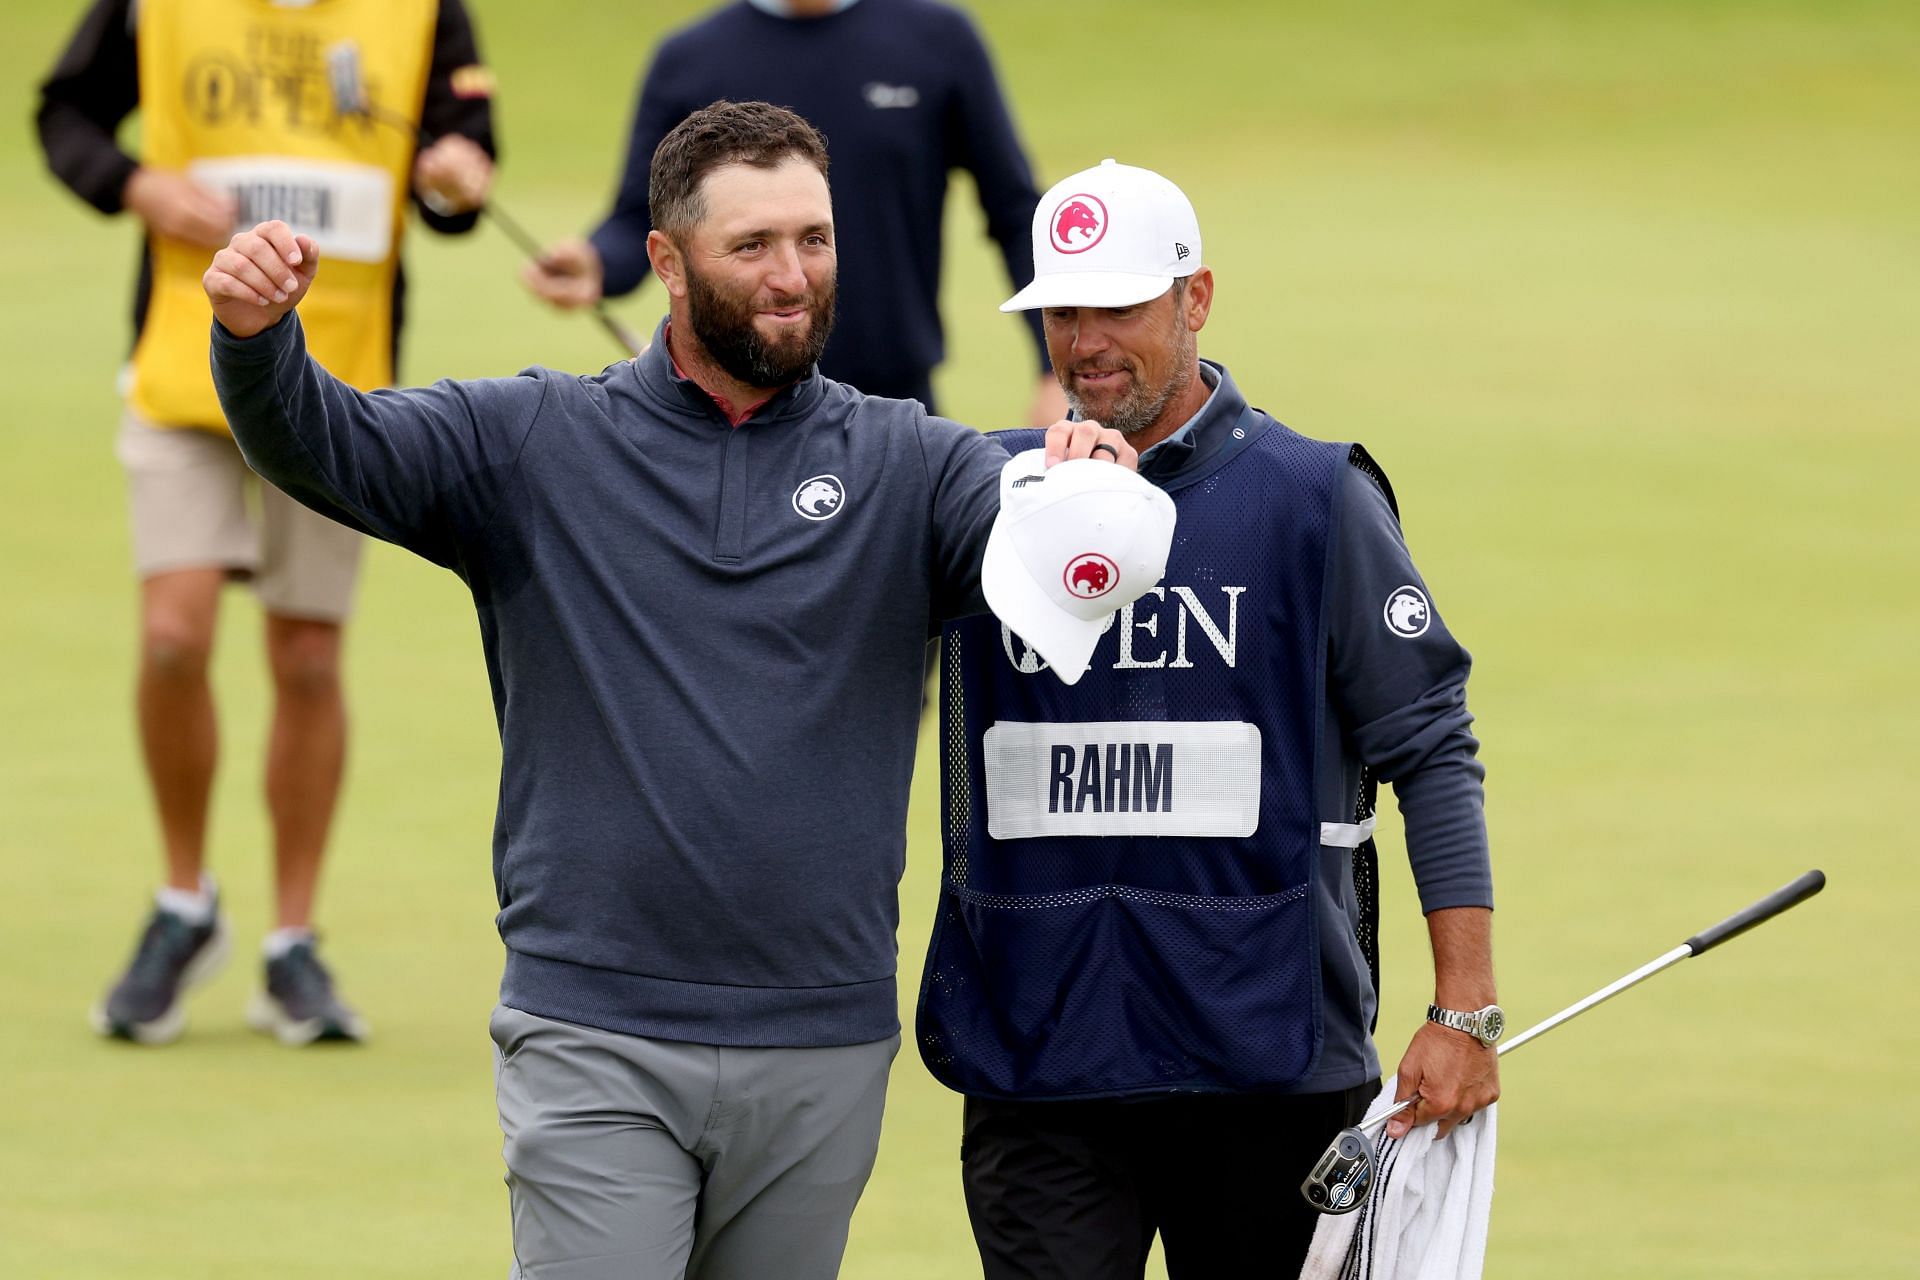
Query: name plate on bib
point(1123, 778)
point(346, 208)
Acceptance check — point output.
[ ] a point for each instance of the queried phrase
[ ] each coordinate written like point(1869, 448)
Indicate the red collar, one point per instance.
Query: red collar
point(735, 417)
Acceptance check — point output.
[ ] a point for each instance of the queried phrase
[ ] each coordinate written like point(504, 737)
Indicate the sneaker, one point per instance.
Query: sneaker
point(298, 1006)
point(174, 956)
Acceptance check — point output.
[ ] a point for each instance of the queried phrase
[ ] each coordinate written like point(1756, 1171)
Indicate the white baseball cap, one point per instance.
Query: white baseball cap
point(1110, 236)
point(1072, 544)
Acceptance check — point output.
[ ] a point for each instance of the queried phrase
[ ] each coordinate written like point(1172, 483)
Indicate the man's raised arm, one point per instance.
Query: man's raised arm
point(422, 468)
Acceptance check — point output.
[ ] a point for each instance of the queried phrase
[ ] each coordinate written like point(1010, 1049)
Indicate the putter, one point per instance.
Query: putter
point(350, 99)
point(1344, 1173)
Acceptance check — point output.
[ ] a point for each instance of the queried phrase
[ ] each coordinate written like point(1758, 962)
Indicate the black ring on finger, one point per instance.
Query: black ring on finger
point(1104, 445)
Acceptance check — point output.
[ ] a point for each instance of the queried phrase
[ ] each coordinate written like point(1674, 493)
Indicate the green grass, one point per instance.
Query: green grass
point(1625, 298)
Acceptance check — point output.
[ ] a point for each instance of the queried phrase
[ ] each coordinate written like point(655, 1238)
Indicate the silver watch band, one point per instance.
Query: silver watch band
point(1484, 1025)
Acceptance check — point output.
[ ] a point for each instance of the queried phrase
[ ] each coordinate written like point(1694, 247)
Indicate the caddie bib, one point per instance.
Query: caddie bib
point(236, 94)
point(1127, 898)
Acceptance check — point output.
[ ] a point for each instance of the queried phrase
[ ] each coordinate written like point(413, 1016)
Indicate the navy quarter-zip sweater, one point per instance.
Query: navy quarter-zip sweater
point(705, 645)
point(905, 93)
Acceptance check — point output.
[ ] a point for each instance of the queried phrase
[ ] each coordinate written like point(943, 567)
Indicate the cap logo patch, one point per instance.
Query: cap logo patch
point(820, 498)
point(1078, 224)
point(1180, 251)
point(1407, 613)
point(1091, 576)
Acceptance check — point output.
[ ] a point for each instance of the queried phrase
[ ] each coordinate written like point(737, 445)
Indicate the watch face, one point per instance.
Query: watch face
point(1492, 1023)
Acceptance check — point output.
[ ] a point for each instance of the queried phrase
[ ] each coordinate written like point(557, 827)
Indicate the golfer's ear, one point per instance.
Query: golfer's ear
point(663, 255)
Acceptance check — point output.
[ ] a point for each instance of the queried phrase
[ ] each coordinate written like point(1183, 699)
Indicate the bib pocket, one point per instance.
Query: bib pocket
point(1112, 989)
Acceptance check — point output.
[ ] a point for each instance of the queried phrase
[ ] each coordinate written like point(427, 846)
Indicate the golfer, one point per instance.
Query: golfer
point(1152, 971)
point(705, 579)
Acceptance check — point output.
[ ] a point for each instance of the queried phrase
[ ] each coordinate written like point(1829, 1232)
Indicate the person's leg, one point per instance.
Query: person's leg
point(306, 752)
point(190, 531)
point(1053, 1191)
point(179, 736)
point(787, 1149)
point(309, 567)
point(1225, 1180)
point(598, 1128)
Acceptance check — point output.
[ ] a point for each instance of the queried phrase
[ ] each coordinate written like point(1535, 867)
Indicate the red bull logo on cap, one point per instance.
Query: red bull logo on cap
point(1078, 223)
point(1091, 576)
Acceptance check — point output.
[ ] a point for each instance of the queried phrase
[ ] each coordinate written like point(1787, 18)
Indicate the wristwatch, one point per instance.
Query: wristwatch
point(1484, 1025)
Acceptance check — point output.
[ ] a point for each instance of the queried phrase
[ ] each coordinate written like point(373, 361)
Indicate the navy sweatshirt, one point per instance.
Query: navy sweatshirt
point(705, 645)
point(904, 92)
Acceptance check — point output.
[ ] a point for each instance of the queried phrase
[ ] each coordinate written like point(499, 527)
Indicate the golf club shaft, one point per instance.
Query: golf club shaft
point(1601, 996)
point(508, 224)
point(1739, 922)
point(529, 246)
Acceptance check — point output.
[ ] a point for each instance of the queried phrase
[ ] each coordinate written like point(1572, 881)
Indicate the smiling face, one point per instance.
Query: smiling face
point(756, 273)
point(1135, 369)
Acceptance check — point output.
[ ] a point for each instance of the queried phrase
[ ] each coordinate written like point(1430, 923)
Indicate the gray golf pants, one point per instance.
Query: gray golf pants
point(638, 1159)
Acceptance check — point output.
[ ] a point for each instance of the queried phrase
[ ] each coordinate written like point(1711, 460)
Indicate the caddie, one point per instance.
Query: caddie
point(237, 126)
point(1153, 968)
point(705, 581)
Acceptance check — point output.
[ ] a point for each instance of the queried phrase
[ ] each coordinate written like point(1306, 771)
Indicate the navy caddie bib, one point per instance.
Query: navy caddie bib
point(1126, 900)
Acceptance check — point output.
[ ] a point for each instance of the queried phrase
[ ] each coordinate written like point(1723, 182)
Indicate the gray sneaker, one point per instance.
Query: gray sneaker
point(299, 1006)
point(147, 1005)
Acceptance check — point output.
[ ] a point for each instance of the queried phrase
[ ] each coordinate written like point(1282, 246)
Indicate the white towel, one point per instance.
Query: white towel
point(1426, 1214)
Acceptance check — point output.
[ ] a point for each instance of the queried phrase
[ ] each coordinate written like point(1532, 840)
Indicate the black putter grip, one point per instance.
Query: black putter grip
point(1759, 913)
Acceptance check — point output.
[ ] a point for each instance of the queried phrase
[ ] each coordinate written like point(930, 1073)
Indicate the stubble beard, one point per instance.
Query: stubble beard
point(723, 322)
point(1141, 406)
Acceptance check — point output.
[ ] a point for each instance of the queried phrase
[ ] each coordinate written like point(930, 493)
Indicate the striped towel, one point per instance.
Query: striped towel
point(1426, 1214)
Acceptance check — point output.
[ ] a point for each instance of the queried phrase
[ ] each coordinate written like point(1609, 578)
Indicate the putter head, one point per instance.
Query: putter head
point(1342, 1175)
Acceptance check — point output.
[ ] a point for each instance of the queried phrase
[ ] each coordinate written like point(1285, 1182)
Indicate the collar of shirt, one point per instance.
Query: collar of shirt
point(778, 8)
point(734, 417)
point(1202, 434)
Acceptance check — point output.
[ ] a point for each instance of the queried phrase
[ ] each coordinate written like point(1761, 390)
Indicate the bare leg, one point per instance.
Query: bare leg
point(178, 733)
point(305, 756)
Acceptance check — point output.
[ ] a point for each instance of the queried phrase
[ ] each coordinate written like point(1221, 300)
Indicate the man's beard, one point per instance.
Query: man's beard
point(1142, 405)
point(723, 322)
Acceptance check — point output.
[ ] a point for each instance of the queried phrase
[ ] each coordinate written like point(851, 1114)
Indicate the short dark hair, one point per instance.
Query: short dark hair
point(723, 133)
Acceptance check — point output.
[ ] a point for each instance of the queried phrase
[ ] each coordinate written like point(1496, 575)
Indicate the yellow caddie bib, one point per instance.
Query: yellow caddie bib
point(235, 94)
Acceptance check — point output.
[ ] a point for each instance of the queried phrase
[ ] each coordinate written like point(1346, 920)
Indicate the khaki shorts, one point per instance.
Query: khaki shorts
point(189, 492)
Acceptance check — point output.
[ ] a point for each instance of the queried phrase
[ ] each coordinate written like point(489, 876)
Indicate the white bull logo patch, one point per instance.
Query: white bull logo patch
point(1407, 613)
point(819, 498)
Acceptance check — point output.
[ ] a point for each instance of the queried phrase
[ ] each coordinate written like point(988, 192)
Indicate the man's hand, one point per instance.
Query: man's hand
point(453, 175)
point(1049, 402)
point(1454, 1074)
point(569, 275)
point(175, 206)
point(1079, 440)
point(259, 277)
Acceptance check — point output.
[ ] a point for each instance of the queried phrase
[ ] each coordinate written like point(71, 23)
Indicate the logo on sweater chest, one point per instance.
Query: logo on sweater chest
point(890, 97)
point(819, 498)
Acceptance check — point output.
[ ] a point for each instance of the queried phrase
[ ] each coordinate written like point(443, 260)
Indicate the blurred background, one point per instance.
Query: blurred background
point(1624, 296)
